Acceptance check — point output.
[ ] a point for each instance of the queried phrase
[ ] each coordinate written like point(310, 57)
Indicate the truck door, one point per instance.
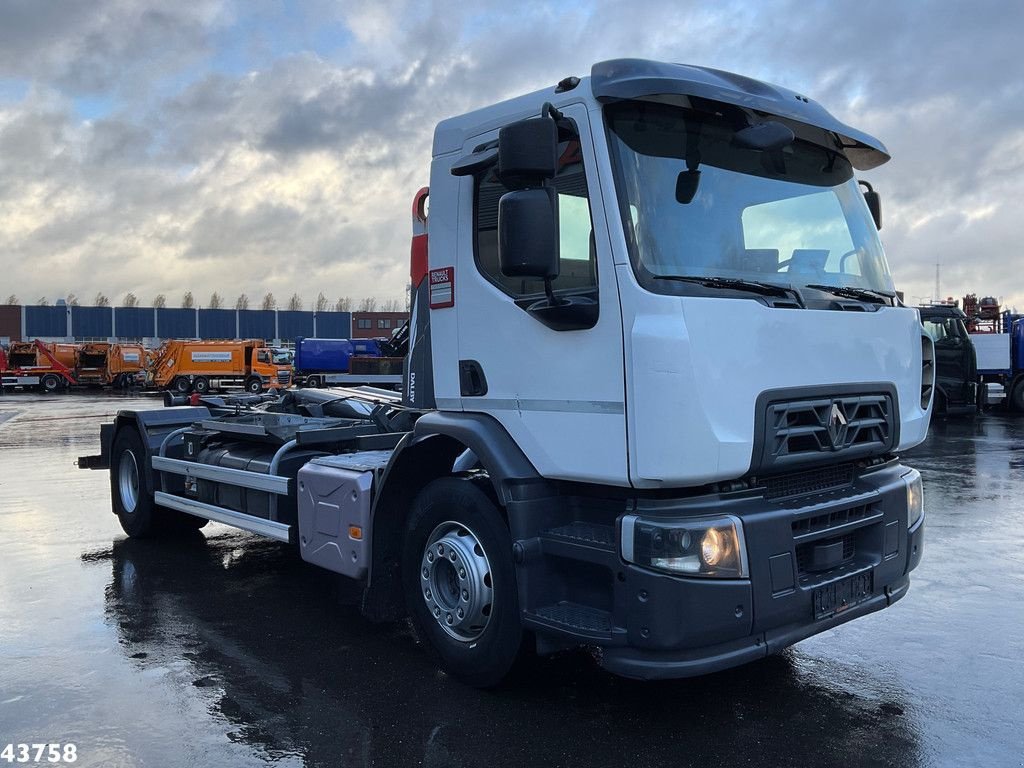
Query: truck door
point(954, 358)
point(559, 393)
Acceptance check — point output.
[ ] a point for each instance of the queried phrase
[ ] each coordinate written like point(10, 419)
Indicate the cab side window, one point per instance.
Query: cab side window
point(578, 267)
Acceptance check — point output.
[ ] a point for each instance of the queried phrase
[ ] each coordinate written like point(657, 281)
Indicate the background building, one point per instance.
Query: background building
point(151, 325)
point(375, 325)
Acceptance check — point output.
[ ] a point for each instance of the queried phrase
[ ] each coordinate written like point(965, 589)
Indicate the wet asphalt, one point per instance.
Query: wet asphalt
point(226, 650)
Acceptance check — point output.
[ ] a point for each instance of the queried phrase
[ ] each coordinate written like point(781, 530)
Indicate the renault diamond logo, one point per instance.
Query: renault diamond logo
point(836, 418)
point(836, 425)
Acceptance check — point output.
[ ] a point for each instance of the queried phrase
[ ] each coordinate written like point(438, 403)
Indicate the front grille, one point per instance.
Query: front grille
point(831, 520)
point(820, 480)
point(813, 429)
point(283, 377)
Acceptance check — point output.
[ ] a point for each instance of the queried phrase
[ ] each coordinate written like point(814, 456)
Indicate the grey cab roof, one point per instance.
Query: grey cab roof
point(638, 78)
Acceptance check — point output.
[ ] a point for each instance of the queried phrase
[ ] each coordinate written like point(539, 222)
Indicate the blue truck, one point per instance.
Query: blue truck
point(323, 362)
point(1001, 362)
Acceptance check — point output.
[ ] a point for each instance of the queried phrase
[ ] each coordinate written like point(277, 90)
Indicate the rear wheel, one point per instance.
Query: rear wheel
point(313, 381)
point(201, 385)
point(459, 582)
point(254, 385)
point(133, 502)
point(182, 385)
point(50, 383)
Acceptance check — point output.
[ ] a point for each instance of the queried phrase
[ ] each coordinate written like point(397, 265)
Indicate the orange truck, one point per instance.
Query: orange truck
point(202, 366)
point(33, 364)
point(102, 363)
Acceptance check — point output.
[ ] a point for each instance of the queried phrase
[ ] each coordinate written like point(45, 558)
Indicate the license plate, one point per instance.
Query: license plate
point(841, 595)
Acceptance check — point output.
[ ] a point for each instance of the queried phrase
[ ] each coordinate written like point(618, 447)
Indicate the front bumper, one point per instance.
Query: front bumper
point(664, 626)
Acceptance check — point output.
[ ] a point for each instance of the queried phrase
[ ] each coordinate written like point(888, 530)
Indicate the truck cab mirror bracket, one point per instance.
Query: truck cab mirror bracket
point(874, 201)
point(478, 162)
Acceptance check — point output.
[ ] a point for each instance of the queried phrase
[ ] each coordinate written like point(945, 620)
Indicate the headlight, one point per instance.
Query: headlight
point(701, 546)
point(915, 497)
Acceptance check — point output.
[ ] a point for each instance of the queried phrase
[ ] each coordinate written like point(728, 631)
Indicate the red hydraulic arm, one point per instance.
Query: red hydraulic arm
point(55, 364)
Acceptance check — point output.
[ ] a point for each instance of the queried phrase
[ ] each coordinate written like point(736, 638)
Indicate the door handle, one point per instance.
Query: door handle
point(472, 381)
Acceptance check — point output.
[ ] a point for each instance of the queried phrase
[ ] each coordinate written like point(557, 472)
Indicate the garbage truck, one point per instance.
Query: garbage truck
point(37, 365)
point(204, 366)
point(657, 388)
point(103, 363)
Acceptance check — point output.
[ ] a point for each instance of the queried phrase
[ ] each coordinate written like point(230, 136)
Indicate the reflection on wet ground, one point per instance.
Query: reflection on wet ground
point(225, 649)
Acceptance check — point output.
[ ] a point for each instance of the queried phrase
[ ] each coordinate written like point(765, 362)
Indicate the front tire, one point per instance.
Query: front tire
point(460, 584)
point(254, 385)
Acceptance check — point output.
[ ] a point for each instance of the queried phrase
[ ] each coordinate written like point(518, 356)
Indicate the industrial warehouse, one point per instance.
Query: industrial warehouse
point(149, 324)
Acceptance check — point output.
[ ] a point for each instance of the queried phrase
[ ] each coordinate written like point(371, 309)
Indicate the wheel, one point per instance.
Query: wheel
point(201, 385)
point(139, 515)
point(313, 381)
point(182, 385)
point(459, 582)
point(133, 503)
point(254, 385)
point(1017, 397)
point(50, 383)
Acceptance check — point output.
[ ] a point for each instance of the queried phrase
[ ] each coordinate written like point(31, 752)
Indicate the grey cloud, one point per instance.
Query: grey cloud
point(200, 175)
point(103, 45)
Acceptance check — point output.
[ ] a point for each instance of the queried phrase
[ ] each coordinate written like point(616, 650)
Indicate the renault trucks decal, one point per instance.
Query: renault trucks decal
point(442, 288)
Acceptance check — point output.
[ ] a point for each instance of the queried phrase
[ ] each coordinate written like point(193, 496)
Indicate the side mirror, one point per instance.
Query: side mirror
point(528, 152)
point(874, 201)
point(528, 233)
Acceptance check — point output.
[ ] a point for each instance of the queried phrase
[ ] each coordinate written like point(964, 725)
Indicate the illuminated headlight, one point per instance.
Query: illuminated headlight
point(915, 497)
point(702, 546)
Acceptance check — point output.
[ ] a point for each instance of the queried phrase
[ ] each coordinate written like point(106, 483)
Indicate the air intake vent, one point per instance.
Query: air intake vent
point(927, 371)
point(827, 478)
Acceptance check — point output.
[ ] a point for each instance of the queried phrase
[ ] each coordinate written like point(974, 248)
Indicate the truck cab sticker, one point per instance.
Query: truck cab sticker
point(442, 288)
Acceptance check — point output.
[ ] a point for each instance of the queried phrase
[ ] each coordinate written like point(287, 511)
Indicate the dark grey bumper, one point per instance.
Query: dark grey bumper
point(654, 624)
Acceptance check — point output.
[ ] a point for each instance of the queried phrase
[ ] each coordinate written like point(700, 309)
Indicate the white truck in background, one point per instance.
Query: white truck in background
point(657, 387)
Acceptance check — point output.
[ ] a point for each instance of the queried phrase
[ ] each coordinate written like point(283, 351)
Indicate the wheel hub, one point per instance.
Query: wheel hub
point(455, 579)
point(128, 481)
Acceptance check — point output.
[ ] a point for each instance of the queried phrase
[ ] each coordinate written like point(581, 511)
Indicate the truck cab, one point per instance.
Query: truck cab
point(663, 285)
point(956, 365)
point(273, 365)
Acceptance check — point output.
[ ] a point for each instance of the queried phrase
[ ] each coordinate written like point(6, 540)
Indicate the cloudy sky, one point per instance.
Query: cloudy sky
point(274, 145)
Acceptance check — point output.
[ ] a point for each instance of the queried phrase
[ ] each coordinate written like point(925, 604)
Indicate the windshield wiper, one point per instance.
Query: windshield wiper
point(861, 294)
point(754, 286)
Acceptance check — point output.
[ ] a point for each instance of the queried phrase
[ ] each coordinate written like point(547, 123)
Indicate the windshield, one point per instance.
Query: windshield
point(944, 328)
point(790, 217)
point(282, 356)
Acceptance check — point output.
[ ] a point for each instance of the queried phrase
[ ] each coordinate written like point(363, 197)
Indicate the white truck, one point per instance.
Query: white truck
point(657, 387)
